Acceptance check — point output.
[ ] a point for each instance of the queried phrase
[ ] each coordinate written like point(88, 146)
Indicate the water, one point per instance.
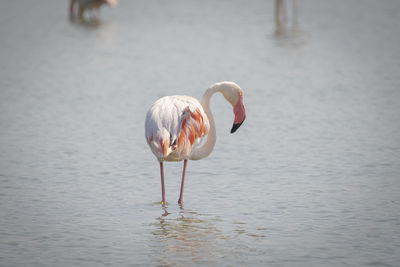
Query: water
point(310, 179)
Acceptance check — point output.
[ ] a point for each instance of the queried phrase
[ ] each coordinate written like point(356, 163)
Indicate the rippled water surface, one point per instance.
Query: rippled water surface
point(310, 179)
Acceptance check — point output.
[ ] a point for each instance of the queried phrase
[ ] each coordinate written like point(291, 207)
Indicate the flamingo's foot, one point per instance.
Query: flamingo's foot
point(163, 203)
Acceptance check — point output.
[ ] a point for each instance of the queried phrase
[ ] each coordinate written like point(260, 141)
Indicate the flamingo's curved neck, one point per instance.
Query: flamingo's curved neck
point(205, 150)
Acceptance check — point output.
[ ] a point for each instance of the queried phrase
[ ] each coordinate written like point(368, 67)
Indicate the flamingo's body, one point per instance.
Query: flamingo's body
point(84, 5)
point(176, 126)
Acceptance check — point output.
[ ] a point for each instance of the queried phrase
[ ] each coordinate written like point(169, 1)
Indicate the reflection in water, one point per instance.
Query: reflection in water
point(104, 43)
point(291, 37)
point(89, 23)
point(186, 236)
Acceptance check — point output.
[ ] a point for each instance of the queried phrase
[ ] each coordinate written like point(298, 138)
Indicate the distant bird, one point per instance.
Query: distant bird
point(84, 5)
point(176, 126)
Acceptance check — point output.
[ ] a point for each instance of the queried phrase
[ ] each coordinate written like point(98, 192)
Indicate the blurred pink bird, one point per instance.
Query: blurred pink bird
point(176, 126)
point(84, 5)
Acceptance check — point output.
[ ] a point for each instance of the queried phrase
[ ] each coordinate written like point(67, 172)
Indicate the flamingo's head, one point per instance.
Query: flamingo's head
point(234, 95)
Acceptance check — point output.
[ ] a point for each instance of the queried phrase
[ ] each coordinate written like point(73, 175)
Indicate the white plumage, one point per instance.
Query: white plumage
point(84, 5)
point(168, 119)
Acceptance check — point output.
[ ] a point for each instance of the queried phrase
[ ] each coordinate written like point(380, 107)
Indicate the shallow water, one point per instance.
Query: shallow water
point(310, 179)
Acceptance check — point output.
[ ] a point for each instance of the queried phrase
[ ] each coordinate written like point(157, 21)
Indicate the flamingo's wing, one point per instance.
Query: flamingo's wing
point(194, 125)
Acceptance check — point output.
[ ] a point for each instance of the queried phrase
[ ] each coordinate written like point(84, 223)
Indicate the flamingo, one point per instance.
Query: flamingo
point(83, 5)
point(176, 127)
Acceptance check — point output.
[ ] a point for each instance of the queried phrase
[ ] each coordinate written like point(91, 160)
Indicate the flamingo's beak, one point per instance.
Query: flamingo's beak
point(240, 114)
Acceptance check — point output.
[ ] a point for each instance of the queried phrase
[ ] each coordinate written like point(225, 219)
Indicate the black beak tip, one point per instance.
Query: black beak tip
point(235, 127)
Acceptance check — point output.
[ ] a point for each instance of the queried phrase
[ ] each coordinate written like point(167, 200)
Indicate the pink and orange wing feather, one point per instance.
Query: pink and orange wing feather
point(192, 127)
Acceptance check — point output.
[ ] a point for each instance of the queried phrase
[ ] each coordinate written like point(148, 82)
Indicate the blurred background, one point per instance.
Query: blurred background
point(310, 179)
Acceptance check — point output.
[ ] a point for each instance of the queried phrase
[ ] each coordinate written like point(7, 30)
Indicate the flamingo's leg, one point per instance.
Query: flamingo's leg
point(71, 8)
point(183, 181)
point(162, 182)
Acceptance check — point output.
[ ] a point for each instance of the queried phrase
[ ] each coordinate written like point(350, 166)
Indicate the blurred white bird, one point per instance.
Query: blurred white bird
point(84, 5)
